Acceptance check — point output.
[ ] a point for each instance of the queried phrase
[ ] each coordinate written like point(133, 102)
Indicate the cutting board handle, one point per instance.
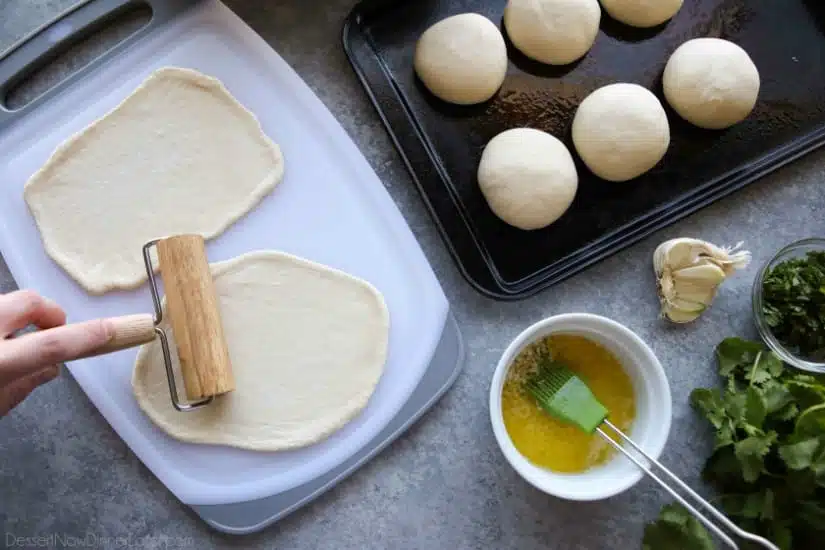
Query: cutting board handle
point(54, 38)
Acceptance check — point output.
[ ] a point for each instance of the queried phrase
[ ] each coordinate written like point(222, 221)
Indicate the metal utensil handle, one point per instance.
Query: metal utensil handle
point(682, 485)
point(59, 34)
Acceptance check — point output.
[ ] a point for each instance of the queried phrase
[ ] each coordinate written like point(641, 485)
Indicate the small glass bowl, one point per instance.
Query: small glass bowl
point(796, 249)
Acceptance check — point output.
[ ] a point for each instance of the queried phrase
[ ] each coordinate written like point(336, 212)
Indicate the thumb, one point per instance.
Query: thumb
point(13, 394)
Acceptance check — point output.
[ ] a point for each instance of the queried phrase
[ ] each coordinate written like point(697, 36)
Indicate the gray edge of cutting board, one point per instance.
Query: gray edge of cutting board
point(247, 517)
point(254, 515)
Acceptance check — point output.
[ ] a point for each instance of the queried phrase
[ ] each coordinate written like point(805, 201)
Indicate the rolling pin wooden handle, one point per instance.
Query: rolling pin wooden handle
point(192, 311)
point(129, 331)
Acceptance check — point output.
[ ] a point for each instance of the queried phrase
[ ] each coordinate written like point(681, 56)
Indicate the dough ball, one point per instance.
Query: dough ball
point(462, 59)
point(711, 83)
point(642, 13)
point(528, 177)
point(621, 131)
point(556, 32)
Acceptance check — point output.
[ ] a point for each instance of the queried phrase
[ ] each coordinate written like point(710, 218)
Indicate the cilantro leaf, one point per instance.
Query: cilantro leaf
point(732, 505)
point(782, 535)
point(751, 454)
point(733, 354)
point(774, 365)
point(758, 505)
point(733, 385)
point(723, 468)
point(806, 393)
point(799, 484)
point(811, 422)
point(788, 412)
point(776, 396)
point(736, 404)
point(756, 409)
point(818, 463)
point(766, 366)
point(818, 467)
point(676, 528)
point(798, 456)
point(812, 513)
point(710, 403)
point(725, 436)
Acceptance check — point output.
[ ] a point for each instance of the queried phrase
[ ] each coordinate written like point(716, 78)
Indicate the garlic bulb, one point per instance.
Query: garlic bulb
point(689, 272)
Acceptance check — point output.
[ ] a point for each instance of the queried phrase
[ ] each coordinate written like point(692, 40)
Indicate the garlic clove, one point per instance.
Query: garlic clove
point(706, 274)
point(675, 254)
point(735, 262)
point(689, 306)
point(679, 316)
point(696, 295)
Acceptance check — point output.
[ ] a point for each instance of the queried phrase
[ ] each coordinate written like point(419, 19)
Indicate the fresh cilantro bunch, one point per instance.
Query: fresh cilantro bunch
point(768, 463)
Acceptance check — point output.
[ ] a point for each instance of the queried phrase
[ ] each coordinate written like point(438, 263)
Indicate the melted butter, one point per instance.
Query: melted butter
point(547, 442)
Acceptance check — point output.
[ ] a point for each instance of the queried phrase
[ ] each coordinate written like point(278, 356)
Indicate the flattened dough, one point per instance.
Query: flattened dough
point(307, 344)
point(179, 155)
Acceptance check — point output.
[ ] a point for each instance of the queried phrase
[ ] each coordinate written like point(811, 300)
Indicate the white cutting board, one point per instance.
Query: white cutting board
point(330, 208)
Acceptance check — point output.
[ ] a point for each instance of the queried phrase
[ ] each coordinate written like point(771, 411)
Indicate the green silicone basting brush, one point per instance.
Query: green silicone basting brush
point(566, 397)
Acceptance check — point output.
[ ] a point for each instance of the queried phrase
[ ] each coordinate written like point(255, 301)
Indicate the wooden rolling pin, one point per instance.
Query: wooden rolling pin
point(192, 310)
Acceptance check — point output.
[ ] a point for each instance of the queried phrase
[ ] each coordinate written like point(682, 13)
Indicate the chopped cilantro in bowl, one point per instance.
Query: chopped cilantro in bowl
point(789, 304)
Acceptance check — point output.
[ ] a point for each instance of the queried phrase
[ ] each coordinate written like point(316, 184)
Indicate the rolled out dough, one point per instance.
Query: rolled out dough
point(307, 344)
point(179, 155)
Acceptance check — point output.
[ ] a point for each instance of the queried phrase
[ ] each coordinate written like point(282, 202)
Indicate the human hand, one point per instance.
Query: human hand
point(32, 359)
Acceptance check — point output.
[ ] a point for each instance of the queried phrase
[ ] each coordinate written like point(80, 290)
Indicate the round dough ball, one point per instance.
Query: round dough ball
point(528, 177)
point(641, 13)
point(555, 32)
point(710, 82)
point(621, 131)
point(462, 59)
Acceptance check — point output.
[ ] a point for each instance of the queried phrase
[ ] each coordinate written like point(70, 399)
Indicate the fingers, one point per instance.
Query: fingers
point(30, 352)
point(14, 393)
point(24, 307)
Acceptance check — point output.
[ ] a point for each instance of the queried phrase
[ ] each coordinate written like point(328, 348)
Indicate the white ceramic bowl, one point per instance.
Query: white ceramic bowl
point(653, 408)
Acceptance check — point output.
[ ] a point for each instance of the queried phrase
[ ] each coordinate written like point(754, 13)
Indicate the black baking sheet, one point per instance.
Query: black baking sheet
point(442, 144)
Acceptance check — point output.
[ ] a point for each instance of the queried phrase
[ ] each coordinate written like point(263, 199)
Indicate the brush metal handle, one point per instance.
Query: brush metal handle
point(682, 485)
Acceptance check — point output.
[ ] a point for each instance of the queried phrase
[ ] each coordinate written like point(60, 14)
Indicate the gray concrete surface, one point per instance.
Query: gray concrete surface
point(63, 471)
